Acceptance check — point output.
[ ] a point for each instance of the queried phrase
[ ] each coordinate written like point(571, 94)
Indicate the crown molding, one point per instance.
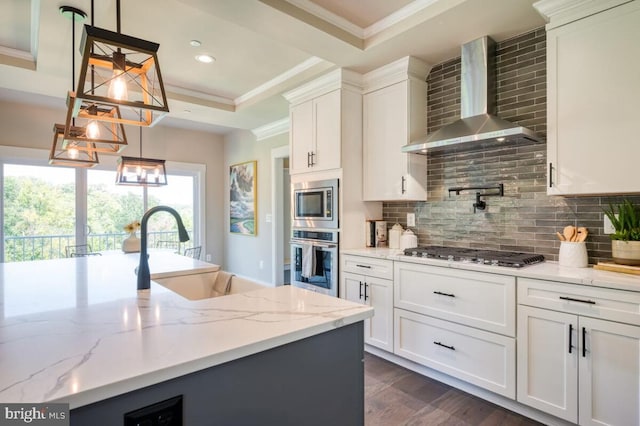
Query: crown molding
point(397, 17)
point(17, 58)
point(337, 79)
point(561, 12)
point(395, 72)
point(282, 78)
point(330, 17)
point(272, 129)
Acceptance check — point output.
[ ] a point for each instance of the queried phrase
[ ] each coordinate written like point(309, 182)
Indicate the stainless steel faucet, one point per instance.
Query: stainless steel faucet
point(144, 276)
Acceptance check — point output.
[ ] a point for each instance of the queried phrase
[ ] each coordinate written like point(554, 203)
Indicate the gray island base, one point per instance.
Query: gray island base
point(314, 381)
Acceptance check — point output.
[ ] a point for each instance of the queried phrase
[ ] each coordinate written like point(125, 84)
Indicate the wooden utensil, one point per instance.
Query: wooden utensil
point(560, 236)
point(581, 234)
point(569, 232)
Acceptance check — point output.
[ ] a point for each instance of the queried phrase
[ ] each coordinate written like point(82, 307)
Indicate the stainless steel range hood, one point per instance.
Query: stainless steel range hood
point(477, 125)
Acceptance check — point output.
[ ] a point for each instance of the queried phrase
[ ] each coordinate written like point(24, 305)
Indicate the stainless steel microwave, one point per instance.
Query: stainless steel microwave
point(315, 204)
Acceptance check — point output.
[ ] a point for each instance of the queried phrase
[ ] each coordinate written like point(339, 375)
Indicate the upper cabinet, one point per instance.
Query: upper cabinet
point(593, 66)
point(319, 114)
point(394, 113)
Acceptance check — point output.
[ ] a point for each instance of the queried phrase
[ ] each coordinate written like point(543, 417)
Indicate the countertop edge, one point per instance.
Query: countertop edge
point(122, 387)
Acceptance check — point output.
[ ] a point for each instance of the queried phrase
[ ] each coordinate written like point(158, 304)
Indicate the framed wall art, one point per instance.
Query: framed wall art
point(243, 198)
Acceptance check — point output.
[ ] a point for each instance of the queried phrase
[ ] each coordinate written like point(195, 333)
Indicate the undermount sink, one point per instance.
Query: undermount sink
point(206, 285)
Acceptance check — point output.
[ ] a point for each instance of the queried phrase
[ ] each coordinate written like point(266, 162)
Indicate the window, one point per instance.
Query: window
point(109, 208)
point(38, 211)
point(45, 208)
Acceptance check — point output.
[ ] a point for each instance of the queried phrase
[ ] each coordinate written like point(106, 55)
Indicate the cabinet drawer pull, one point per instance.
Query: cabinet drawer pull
point(571, 299)
point(444, 346)
point(584, 342)
point(570, 337)
point(402, 186)
point(364, 266)
point(444, 294)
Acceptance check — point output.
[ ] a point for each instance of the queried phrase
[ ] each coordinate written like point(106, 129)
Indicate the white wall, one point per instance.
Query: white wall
point(32, 127)
point(243, 254)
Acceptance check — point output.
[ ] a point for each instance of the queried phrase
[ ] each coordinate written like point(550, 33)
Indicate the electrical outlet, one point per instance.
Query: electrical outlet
point(411, 219)
point(608, 227)
point(268, 218)
point(207, 257)
point(261, 264)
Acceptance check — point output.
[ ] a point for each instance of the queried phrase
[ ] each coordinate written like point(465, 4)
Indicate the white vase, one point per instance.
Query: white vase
point(131, 244)
point(625, 252)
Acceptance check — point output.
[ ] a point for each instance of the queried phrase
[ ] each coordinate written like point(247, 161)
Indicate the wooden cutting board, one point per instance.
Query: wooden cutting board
point(614, 267)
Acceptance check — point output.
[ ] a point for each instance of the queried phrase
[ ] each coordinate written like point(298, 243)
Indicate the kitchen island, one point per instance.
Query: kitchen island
point(77, 331)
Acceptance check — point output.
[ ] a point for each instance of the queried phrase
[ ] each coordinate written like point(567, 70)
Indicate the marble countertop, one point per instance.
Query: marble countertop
point(77, 330)
point(545, 271)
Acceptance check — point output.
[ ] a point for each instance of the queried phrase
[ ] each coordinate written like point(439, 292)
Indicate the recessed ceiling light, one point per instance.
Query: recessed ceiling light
point(195, 43)
point(205, 59)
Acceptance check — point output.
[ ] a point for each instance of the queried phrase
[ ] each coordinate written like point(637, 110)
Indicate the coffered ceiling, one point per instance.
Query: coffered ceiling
point(262, 47)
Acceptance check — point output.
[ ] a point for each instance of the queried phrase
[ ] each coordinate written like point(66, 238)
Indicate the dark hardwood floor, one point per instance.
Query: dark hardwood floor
point(397, 396)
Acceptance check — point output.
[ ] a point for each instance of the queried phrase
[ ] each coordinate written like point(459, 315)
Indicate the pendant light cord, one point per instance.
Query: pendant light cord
point(140, 128)
point(73, 57)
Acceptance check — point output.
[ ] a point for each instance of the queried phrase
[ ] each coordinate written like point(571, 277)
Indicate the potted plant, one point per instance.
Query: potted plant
point(625, 241)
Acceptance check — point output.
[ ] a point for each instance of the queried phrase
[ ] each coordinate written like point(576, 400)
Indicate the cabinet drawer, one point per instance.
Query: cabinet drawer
point(477, 299)
point(478, 357)
point(609, 304)
point(371, 266)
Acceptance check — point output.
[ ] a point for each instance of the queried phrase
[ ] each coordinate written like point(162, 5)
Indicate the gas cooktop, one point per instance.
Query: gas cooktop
point(479, 256)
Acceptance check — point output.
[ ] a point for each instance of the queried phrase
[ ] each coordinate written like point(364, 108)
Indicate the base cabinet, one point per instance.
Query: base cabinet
point(476, 356)
point(461, 323)
point(581, 369)
point(377, 293)
point(369, 281)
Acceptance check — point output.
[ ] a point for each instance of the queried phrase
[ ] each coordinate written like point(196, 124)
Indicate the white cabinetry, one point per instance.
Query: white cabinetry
point(574, 361)
point(593, 64)
point(394, 113)
point(315, 133)
point(370, 281)
point(459, 322)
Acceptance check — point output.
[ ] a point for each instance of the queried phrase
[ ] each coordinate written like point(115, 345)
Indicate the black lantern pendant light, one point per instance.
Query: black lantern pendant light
point(119, 71)
point(71, 146)
point(139, 171)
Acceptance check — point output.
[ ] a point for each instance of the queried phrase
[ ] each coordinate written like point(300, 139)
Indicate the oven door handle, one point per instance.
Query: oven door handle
point(314, 243)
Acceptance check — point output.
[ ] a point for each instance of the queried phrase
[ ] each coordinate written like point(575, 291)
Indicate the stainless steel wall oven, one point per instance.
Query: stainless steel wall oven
point(314, 261)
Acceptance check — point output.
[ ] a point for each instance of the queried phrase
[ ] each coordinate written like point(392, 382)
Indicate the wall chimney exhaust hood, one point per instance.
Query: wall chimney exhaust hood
point(478, 125)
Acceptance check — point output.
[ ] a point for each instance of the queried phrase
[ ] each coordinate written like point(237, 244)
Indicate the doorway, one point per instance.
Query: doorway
point(281, 223)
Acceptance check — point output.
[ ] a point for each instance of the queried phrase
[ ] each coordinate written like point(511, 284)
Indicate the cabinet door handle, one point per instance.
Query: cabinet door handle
point(584, 342)
point(308, 159)
point(360, 289)
point(365, 291)
point(444, 294)
point(444, 346)
point(313, 154)
point(571, 299)
point(363, 266)
point(570, 337)
point(402, 186)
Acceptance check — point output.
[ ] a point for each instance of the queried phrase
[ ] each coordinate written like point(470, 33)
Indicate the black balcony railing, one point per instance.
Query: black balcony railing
point(41, 247)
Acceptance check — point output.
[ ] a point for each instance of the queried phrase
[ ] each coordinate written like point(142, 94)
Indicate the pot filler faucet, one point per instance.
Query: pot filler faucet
point(144, 277)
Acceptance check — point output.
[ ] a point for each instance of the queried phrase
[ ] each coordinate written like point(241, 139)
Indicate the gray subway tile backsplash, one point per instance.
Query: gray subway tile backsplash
point(526, 218)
